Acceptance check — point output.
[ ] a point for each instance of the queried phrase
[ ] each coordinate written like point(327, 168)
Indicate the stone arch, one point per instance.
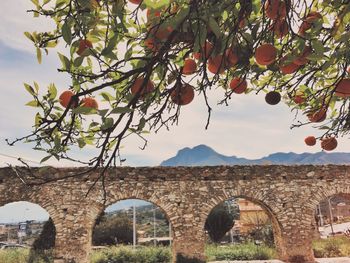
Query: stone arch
point(254, 197)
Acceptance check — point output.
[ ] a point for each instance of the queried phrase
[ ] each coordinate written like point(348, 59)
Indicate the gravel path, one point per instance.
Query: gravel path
point(319, 260)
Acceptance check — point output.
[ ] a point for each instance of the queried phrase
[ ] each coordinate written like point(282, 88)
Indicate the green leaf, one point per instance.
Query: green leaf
point(108, 97)
point(65, 61)
point(214, 27)
point(29, 89)
point(29, 36)
point(32, 103)
point(52, 91)
point(120, 110)
point(45, 158)
point(111, 45)
point(66, 33)
point(78, 61)
point(38, 55)
point(108, 123)
point(84, 110)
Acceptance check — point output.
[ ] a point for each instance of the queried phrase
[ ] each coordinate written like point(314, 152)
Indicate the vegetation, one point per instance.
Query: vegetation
point(219, 221)
point(332, 247)
point(245, 251)
point(134, 65)
point(112, 230)
point(127, 254)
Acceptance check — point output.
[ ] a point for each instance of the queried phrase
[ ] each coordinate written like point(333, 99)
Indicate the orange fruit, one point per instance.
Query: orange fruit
point(288, 68)
point(65, 98)
point(89, 103)
point(151, 44)
point(275, 9)
point(182, 94)
point(190, 67)
point(302, 59)
point(299, 99)
point(329, 143)
point(280, 28)
point(308, 21)
point(265, 54)
point(310, 140)
point(83, 45)
point(318, 116)
point(136, 2)
point(137, 87)
point(231, 58)
point(207, 49)
point(343, 88)
point(238, 85)
point(216, 64)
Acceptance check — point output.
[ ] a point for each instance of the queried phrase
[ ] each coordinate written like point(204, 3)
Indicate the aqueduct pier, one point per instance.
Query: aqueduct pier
point(186, 195)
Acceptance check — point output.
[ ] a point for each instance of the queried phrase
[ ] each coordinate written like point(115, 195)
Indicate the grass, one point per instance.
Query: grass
point(332, 247)
point(245, 251)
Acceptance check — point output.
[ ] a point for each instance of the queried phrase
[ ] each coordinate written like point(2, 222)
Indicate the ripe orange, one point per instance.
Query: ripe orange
point(83, 45)
point(182, 94)
point(288, 68)
point(275, 9)
point(238, 85)
point(231, 58)
point(136, 2)
point(65, 98)
point(137, 88)
point(318, 116)
point(310, 140)
point(216, 64)
point(280, 27)
point(207, 49)
point(308, 22)
point(343, 88)
point(329, 143)
point(265, 54)
point(299, 99)
point(190, 67)
point(89, 103)
point(151, 13)
point(152, 44)
point(302, 59)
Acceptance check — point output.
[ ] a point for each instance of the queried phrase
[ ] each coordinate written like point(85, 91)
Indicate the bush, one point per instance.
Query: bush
point(246, 251)
point(124, 254)
point(180, 258)
point(332, 247)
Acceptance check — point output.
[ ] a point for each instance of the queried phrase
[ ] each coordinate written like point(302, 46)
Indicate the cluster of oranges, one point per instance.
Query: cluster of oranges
point(265, 54)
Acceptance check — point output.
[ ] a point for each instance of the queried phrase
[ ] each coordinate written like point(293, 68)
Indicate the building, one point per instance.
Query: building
point(251, 216)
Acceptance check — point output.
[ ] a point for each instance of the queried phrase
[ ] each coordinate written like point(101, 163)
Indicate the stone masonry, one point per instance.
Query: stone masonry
point(289, 194)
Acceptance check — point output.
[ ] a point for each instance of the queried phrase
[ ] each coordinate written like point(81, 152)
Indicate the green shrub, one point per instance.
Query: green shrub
point(332, 247)
point(246, 251)
point(122, 254)
point(180, 258)
point(24, 256)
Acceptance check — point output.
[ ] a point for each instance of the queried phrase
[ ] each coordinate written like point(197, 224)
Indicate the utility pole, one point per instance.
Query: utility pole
point(169, 233)
point(154, 225)
point(331, 215)
point(134, 226)
point(229, 210)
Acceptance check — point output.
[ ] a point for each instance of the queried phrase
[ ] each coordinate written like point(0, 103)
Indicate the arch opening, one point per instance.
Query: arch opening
point(331, 227)
point(132, 228)
point(27, 233)
point(242, 228)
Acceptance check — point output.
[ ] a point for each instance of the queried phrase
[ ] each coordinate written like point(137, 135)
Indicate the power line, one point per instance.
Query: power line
point(19, 158)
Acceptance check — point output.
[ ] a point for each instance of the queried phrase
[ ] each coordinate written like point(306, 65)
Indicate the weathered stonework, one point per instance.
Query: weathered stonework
point(186, 195)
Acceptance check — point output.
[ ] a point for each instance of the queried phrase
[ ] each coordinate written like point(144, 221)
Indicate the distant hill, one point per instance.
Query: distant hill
point(204, 155)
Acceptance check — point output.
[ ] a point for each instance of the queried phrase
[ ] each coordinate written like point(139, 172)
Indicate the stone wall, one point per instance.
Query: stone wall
point(289, 194)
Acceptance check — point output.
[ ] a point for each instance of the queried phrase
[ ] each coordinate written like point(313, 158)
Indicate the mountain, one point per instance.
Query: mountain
point(204, 155)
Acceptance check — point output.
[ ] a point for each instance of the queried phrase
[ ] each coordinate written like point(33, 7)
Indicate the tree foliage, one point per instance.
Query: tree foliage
point(112, 230)
point(134, 64)
point(219, 221)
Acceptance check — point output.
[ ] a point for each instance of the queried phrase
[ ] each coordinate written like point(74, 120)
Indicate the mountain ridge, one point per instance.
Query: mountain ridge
point(203, 155)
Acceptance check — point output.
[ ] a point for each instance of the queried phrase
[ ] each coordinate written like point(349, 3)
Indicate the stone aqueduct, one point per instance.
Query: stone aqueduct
point(186, 195)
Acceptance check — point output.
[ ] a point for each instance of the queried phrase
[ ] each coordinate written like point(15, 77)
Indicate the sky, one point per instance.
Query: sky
point(248, 127)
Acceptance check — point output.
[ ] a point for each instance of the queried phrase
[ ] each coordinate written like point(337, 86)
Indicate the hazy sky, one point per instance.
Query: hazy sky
point(248, 127)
